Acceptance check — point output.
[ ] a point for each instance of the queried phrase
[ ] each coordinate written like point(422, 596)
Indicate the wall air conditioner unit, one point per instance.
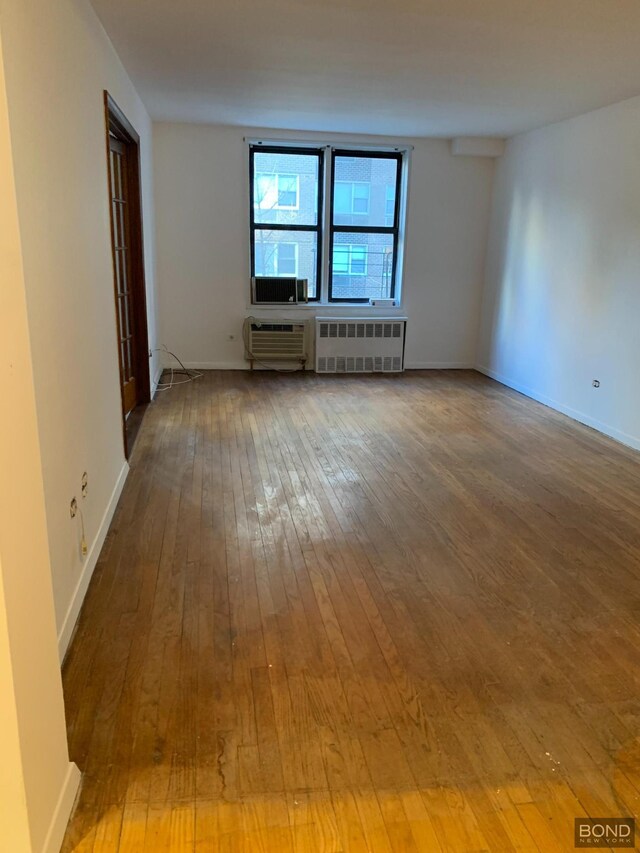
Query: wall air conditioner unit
point(276, 290)
point(275, 340)
point(359, 345)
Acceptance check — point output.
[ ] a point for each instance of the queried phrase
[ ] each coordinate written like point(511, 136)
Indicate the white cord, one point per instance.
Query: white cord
point(191, 374)
point(83, 543)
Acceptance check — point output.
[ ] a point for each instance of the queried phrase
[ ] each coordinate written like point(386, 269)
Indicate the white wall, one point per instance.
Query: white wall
point(37, 781)
point(562, 299)
point(58, 62)
point(202, 216)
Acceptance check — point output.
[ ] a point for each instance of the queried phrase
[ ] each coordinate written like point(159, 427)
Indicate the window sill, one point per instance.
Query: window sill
point(314, 306)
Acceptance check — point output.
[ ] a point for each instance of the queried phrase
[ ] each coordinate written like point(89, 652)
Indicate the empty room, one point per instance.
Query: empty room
point(320, 434)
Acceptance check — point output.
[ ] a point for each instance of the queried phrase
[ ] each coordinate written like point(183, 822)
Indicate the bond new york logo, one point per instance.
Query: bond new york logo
point(609, 832)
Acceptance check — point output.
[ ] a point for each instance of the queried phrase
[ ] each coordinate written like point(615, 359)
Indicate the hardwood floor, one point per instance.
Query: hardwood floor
point(359, 613)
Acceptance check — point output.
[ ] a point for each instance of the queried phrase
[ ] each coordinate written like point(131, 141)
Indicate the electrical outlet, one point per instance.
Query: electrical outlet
point(596, 383)
point(84, 484)
point(73, 508)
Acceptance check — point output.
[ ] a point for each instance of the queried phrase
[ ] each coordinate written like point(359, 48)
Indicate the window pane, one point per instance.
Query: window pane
point(362, 266)
point(358, 260)
point(342, 198)
point(341, 260)
point(287, 191)
point(285, 188)
point(286, 253)
point(390, 206)
point(361, 198)
point(265, 259)
point(371, 182)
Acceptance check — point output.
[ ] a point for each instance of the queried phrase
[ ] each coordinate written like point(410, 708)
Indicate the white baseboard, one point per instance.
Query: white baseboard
point(60, 819)
point(439, 365)
point(581, 417)
point(415, 365)
point(154, 384)
point(217, 365)
point(69, 623)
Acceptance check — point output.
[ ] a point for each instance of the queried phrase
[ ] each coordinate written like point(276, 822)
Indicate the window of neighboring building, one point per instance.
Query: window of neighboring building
point(349, 259)
point(277, 192)
point(273, 257)
point(351, 198)
point(390, 205)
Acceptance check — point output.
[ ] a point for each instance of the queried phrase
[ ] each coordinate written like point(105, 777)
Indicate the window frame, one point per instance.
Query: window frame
point(292, 227)
point(324, 230)
point(394, 229)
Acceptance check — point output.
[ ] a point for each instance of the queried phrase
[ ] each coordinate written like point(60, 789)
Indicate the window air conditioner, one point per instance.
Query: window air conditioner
point(279, 290)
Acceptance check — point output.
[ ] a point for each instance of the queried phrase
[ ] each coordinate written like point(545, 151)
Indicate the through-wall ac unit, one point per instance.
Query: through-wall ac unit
point(359, 345)
point(275, 340)
point(279, 290)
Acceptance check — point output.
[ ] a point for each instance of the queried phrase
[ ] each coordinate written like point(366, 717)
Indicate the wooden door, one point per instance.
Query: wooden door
point(122, 269)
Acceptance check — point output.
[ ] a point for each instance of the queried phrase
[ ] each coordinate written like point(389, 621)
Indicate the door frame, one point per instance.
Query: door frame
point(117, 123)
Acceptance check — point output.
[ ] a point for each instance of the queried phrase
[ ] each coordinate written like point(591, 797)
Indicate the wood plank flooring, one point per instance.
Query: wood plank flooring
point(359, 613)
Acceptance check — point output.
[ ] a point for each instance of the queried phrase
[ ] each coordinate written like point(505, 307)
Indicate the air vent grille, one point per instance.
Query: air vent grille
point(360, 346)
point(274, 341)
point(360, 330)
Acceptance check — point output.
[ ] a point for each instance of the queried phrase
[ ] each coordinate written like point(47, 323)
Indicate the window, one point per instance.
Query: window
point(288, 192)
point(364, 225)
point(390, 206)
point(361, 219)
point(351, 198)
point(286, 223)
point(277, 192)
point(275, 258)
point(287, 263)
point(349, 259)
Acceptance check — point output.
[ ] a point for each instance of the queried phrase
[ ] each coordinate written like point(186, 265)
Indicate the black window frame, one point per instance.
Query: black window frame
point(364, 229)
point(266, 226)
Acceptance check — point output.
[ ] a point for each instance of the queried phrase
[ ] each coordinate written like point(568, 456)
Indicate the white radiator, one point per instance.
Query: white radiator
point(359, 345)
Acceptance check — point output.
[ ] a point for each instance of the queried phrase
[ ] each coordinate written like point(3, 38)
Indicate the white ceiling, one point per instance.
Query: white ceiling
point(402, 67)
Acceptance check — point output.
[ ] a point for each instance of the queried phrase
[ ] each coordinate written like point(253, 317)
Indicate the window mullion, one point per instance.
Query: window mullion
point(327, 238)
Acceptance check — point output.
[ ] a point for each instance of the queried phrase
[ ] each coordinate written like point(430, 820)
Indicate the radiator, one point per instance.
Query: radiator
point(359, 345)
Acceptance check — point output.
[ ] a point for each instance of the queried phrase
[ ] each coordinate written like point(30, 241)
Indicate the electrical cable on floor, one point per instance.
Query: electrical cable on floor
point(249, 355)
point(189, 373)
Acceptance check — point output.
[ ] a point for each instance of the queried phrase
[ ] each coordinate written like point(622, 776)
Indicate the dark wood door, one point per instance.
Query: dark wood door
point(122, 269)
